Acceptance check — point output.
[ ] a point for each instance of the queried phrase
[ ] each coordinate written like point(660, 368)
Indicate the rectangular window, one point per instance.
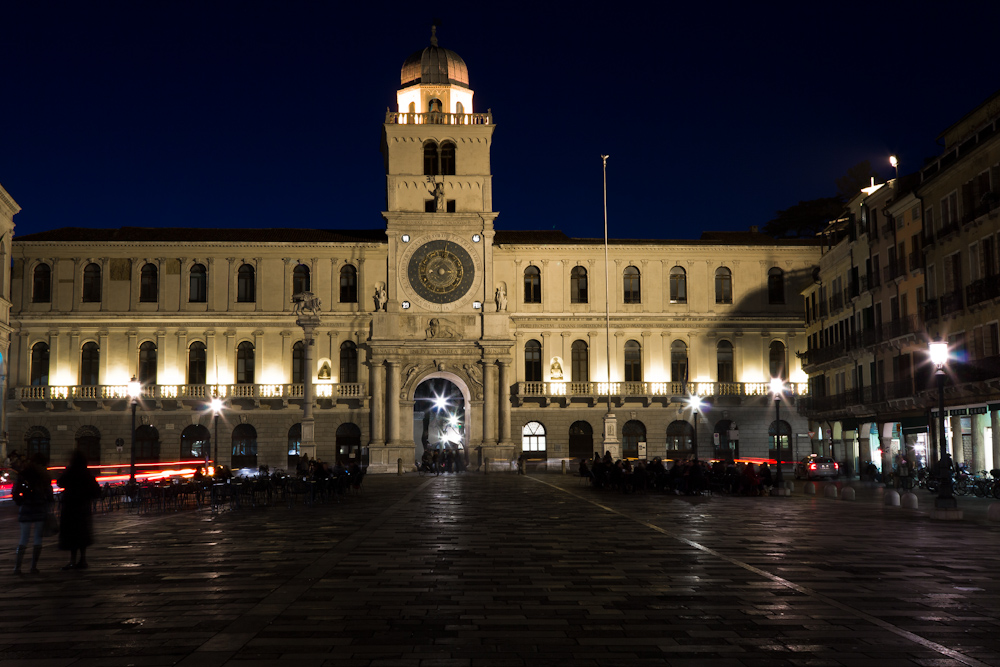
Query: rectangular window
point(429, 206)
point(992, 342)
point(450, 206)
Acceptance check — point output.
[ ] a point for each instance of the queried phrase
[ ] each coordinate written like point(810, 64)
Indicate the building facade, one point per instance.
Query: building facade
point(438, 330)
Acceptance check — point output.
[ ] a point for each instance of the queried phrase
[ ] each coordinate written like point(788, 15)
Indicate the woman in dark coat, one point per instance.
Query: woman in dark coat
point(32, 493)
point(76, 529)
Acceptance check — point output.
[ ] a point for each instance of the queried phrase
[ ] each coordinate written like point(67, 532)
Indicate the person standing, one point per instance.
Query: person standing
point(32, 493)
point(76, 527)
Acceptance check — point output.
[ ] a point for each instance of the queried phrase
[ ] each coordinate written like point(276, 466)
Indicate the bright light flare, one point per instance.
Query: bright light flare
point(893, 161)
point(939, 353)
point(777, 387)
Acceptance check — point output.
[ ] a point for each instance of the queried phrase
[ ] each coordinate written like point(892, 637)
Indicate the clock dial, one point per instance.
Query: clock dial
point(441, 271)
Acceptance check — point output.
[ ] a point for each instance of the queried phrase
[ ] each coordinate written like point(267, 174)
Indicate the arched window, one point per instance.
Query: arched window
point(298, 362)
point(41, 284)
point(88, 441)
point(726, 447)
point(147, 363)
point(532, 361)
point(348, 284)
point(678, 285)
point(149, 283)
point(431, 159)
point(775, 286)
point(348, 362)
point(532, 285)
point(633, 432)
point(90, 364)
point(776, 360)
point(92, 283)
point(578, 285)
point(412, 108)
point(580, 361)
point(246, 284)
point(244, 447)
point(349, 444)
point(680, 439)
point(245, 362)
point(533, 438)
point(197, 363)
point(300, 279)
point(199, 284)
point(195, 442)
point(147, 444)
point(581, 440)
point(36, 441)
point(447, 158)
point(724, 361)
point(435, 106)
point(630, 282)
point(294, 446)
point(723, 285)
point(39, 364)
point(678, 361)
point(633, 361)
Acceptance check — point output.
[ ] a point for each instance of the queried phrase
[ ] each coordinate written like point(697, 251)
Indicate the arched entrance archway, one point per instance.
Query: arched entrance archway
point(442, 414)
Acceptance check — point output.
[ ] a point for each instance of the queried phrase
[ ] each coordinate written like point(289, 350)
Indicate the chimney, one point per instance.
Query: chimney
point(753, 229)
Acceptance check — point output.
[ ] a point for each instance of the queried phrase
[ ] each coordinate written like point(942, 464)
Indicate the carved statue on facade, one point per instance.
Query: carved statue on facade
point(501, 297)
point(441, 328)
point(381, 297)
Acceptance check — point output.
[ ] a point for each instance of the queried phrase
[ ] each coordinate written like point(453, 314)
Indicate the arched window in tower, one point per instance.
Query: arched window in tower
point(412, 108)
point(246, 284)
point(532, 285)
point(460, 109)
point(580, 361)
point(447, 158)
point(348, 362)
point(724, 361)
point(348, 284)
point(633, 361)
point(578, 285)
point(300, 279)
point(198, 284)
point(245, 362)
point(678, 361)
point(197, 363)
point(532, 361)
point(776, 360)
point(630, 281)
point(147, 363)
point(723, 285)
point(41, 284)
point(39, 364)
point(92, 283)
point(434, 106)
point(298, 362)
point(149, 283)
point(678, 285)
point(775, 286)
point(431, 159)
point(90, 364)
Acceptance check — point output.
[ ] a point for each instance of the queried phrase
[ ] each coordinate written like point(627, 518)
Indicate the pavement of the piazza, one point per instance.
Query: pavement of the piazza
point(500, 569)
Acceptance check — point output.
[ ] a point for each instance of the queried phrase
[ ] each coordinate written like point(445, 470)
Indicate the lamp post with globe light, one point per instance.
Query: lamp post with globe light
point(134, 389)
point(777, 387)
point(939, 357)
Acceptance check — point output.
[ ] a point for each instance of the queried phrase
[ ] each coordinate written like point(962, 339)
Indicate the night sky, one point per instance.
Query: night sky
point(268, 114)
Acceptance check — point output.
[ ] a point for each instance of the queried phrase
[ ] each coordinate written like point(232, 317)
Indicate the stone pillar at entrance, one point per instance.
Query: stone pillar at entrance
point(978, 452)
point(995, 422)
point(392, 403)
point(505, 404)
point(489, 398)
point(378, 405)
point(955, 446)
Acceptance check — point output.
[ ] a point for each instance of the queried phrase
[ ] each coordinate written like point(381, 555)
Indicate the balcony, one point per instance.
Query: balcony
point(438, 118)
point(904, 326)
point(836, 303)
point(951, 303)
point(916, 261)
point(671, 392)
point(157, 393)
point(930, 310)
point(985, 289)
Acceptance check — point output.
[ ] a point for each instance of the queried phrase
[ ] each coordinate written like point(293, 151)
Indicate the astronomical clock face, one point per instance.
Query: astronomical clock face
point(441, 271)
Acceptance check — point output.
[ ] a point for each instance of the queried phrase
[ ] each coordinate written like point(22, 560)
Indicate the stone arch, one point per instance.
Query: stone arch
point(461, 384)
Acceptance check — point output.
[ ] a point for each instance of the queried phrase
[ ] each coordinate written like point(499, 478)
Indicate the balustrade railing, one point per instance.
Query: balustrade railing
point(438, 118)
point(678, 389)
point(203, 392)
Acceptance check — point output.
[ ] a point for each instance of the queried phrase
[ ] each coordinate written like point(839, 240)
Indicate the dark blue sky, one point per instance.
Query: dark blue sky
point(268, 114)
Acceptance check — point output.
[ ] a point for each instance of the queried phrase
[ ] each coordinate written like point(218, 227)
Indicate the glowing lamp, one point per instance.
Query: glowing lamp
point(939, 353)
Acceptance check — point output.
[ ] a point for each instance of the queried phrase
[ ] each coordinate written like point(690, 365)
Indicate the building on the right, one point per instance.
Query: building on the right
point(910, 262)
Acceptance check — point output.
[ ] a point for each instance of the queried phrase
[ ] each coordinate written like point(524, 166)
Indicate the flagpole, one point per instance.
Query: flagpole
point(610, 421)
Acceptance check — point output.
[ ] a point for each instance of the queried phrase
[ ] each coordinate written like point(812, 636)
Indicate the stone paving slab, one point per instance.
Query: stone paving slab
point(506, 570)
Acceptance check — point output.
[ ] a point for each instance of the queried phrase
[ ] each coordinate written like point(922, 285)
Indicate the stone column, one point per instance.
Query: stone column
point(74, 357)
point(102, 341)
point(995, 423)
point(133, 354)
point(593, 361)
point(489, 403)
point(955, 446)
point(505, 438)
point(546, 356)
point(378, 405)
point(161, 355)
point(211, 287)
point(181, 352)
point(258, 357)
point(978, 450)
point(392, 404)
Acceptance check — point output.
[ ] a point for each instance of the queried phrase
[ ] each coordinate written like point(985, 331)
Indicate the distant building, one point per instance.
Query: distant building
point(436, 331)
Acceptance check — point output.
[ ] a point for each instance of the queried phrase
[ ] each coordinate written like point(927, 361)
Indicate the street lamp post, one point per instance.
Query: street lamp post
point(776, 388)
point(134, 388)
point(945, 499)
point(216, 409)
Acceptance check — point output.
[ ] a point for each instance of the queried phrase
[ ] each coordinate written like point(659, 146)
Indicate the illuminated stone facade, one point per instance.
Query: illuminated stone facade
point(512, 321)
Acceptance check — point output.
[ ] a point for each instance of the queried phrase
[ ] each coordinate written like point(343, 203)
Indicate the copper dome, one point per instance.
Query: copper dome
point(434, 64)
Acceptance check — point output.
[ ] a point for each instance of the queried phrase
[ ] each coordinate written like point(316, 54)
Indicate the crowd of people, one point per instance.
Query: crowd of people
point(686, 477)
point(437, 461)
